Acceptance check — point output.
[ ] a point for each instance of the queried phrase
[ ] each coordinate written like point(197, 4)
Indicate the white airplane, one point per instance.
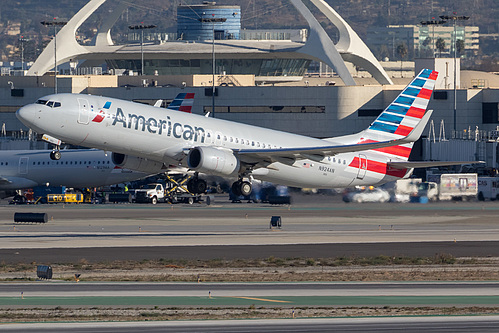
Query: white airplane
point(373, 156)
point(21, 169)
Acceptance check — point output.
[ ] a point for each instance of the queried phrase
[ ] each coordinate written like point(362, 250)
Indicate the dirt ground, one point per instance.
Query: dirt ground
point(441, 268)
point(272, 269)
point(199, 313)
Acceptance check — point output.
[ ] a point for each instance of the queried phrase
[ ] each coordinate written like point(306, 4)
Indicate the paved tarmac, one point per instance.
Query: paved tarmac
point(272, 289)
point(314, 226)
point(398, 324)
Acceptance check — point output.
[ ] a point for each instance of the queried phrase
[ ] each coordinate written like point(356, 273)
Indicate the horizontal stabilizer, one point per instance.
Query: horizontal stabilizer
point(427, 164)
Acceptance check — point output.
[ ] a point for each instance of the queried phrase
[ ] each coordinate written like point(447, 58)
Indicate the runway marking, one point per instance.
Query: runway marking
point(261, 299)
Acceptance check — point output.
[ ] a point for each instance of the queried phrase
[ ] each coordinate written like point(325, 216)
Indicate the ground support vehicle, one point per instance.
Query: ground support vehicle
point(450, 186)
point(179, 188)
point(182, 188)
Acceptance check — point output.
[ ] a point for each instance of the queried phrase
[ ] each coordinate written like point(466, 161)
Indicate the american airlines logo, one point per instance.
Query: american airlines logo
point(102, 114)
point(160, 126)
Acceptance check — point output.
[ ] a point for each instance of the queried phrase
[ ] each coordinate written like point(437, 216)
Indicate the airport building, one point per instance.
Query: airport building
point(421, 40)
point(259, 81)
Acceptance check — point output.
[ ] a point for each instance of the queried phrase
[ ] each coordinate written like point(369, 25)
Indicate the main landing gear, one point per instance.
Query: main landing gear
point(55, 154)
point(196, 185)
point(241, 187)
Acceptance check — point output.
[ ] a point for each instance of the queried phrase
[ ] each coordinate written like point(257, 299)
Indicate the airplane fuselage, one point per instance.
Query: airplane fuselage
point(166, 136)
point(20, 169)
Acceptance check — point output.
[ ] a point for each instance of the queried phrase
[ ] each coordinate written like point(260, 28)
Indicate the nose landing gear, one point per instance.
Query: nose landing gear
point(55, 154)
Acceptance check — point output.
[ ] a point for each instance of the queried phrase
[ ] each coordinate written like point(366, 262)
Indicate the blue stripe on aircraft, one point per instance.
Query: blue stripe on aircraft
point(391, 118)
point(418, 83)
point(425, 73)
point(383, 127)
point(107, 105)
point(398, 109)
point(404, 100)
point(411, 91)
point(176, 102)
point(181, 96)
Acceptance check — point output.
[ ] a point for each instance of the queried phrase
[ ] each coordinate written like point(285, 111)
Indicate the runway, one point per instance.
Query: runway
point(318, 226)
point(402, 324)
point(71, 289)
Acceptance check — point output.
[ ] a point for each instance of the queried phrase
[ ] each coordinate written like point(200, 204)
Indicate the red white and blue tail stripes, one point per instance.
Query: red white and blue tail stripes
point(403, 114)
point(183, 102)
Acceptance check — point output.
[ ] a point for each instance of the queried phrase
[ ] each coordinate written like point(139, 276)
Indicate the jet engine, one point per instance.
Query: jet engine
point(136, 163)
point(213, 161)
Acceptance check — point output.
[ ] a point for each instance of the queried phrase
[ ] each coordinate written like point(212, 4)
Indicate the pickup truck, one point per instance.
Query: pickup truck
point(156, 192)
point(150, 193)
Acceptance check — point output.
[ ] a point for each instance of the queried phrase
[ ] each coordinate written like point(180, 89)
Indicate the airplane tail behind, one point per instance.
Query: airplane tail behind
point(402, 115)
point(183, 102)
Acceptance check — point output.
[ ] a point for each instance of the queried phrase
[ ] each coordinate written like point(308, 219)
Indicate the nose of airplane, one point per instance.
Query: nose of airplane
point(26, 114)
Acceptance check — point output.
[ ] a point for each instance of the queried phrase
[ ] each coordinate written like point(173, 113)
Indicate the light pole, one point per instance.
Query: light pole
point(433, 23)
point(141, 27)
point(454, 19)
point(55, 24)
point(213, 20)
point(22, 40)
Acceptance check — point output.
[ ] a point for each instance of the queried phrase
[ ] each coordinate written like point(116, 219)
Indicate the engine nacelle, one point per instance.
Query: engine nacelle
point(136, 163)
point(213, 161)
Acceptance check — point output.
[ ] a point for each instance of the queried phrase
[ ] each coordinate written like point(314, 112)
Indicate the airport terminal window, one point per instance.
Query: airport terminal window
point(490, 113)
point(267, 109)
point(369, 112)
point(259, 67)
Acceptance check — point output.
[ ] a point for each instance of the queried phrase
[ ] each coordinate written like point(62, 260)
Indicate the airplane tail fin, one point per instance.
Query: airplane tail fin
point(402, 115)
point(183, 102)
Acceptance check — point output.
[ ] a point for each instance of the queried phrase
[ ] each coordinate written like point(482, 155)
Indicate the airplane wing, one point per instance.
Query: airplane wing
point(427, 164)
point(4, 181)
point(318, 153)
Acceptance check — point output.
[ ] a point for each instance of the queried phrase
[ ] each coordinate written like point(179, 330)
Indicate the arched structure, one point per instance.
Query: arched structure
point(350, 46)
point(318, 46)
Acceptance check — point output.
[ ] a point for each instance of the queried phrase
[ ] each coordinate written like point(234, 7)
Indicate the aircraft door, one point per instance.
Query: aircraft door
point(84, 112)
point(23, 165)
point(362, 166)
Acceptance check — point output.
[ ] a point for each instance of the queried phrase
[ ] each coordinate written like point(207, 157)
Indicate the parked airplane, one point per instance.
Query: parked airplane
point(20, 169)
point(374, 156)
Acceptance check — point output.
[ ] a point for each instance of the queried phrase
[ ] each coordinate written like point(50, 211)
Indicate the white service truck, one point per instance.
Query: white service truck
point(450, 186)
point(156, 192)
point(152, 193)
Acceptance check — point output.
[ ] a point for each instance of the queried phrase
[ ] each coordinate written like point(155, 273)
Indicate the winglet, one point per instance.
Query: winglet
point(418, 130)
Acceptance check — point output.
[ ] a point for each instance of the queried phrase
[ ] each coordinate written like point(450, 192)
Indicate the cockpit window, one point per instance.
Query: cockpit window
point(50, 104)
